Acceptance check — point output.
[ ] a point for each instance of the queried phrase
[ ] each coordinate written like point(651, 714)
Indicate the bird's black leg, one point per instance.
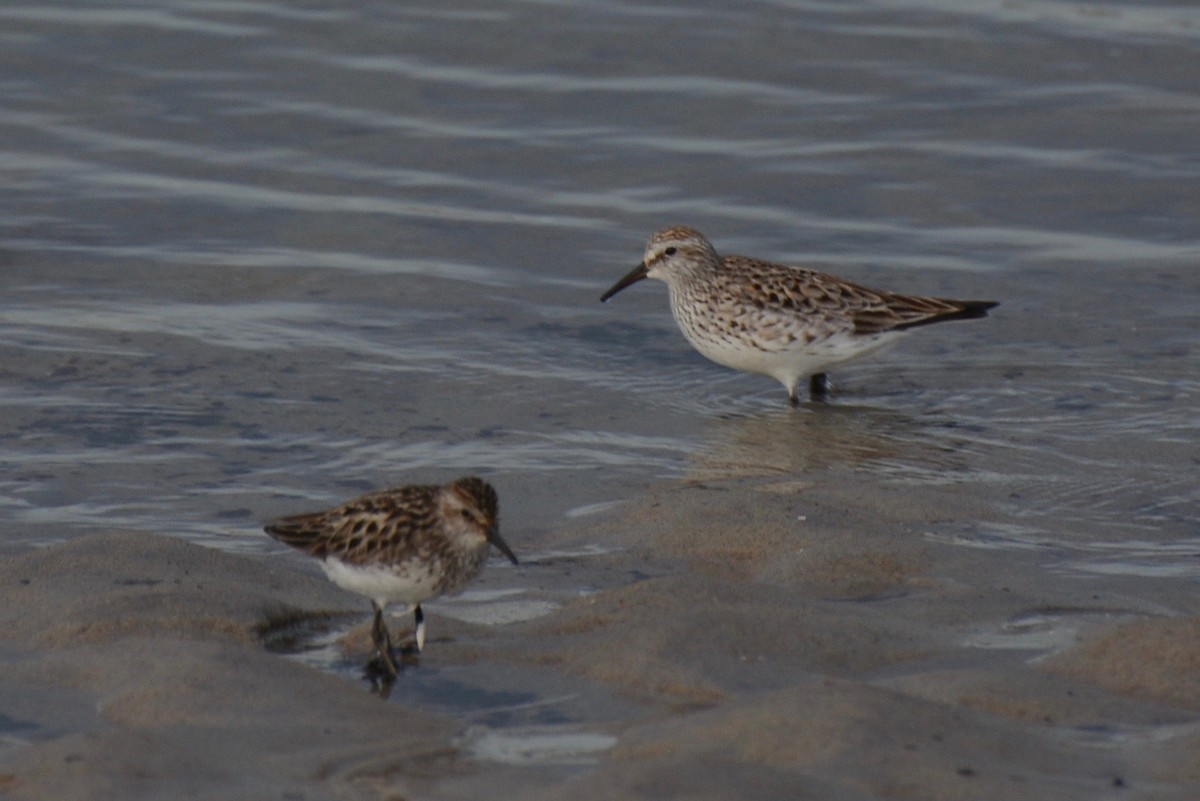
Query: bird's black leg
point(383, 641)
point(419, 618)
point(412, 651)
point(818, 386)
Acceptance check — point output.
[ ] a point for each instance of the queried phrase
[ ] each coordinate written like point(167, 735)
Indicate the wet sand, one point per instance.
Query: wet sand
point(261, 258)
point(787, 640)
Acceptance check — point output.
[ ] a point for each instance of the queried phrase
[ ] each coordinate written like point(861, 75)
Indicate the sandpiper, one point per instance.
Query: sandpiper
point(404, 545)
point(787, 322)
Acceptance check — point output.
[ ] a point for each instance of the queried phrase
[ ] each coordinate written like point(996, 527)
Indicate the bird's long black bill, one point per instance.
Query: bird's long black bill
point(494, 538)
point(635, 275)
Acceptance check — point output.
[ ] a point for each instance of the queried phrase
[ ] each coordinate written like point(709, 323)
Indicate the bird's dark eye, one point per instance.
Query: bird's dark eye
point(669, 252)
point(466, 513)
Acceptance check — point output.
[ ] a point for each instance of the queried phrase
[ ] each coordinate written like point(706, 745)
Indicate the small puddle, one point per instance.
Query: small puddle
point(557, 746)
point(512, 714)
point(1044, 630)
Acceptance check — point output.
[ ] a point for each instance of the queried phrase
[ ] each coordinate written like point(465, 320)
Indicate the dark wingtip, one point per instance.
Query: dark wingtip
point(968, 310)
point(977, 308)
point(281, 534)
point(295, 534)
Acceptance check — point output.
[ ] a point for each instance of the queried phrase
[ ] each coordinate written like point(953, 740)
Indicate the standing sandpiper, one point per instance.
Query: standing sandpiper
point(404, 545)
point(787, 322)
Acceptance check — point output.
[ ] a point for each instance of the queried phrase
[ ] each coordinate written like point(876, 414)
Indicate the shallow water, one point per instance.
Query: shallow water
point(258, 257)
point(514, 715)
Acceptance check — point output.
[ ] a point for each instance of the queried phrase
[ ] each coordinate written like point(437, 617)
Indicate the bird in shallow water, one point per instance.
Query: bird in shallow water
point(404, 545)
point(786, 322)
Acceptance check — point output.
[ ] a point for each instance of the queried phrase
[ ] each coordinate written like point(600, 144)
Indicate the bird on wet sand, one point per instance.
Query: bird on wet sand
point(401, 546)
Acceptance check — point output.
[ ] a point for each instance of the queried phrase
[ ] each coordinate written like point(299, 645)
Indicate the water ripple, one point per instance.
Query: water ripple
point(693, 86)
point(154, 19)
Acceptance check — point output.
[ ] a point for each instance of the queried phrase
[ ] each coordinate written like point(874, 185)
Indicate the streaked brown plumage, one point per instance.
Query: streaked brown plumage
point(786, 322)
point(403, 545)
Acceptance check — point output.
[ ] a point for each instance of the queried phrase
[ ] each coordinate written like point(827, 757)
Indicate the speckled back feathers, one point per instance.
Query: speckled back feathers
point(738, 285)
point(385, 527)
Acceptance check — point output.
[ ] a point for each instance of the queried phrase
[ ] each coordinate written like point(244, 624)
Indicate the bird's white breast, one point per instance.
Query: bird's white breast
point(785, 346)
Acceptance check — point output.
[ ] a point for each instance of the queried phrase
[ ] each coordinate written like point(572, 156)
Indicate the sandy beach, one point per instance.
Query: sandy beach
point(259, 258)
point(793, 640)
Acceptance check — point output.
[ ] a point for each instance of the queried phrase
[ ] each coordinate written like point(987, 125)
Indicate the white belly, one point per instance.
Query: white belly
point(409, 585)
point(786, 362)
